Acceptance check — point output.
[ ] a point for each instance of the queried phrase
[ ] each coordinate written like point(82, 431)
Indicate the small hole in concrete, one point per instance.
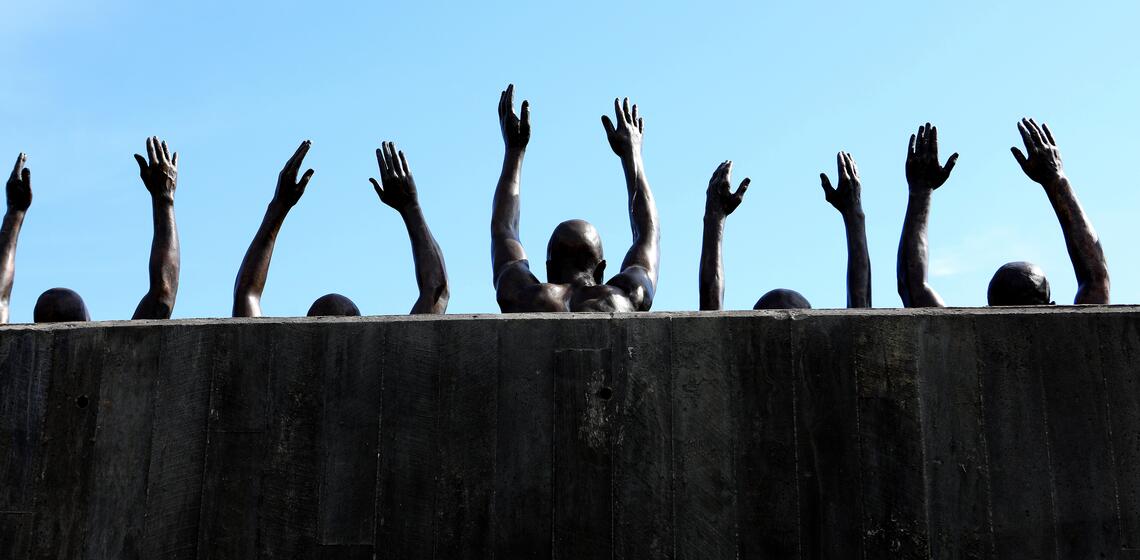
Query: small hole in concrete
point(82, 401)
point(605, 393)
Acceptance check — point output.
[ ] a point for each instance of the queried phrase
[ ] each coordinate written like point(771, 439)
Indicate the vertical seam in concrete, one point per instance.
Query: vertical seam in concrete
point(672, 444)
point(206, 453)
point(1049, 456)
point(437, 454)
point(1111, 441)
point(978, 373)
point(377, 485)
point(859, 456)
point(918, 393)
point(492, 522)
point(795, 439)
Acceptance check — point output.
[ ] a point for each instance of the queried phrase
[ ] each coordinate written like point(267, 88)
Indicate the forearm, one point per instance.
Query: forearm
point(505, 211)
point(913, 254)
point(712, 270)
point(505, 245)
point(858, 260)
point(431, 272)
point(9, 235)
point(164, 263)
point(642, 217)
point(255, 266)
point(1082, 243)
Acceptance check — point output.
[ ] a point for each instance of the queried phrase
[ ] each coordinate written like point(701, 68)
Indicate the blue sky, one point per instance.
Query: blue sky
point(779, 89)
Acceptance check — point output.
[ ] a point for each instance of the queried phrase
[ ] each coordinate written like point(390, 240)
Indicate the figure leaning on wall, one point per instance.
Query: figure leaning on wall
point(159, 172)
point(397, 188)
point(575, 266)
point(720, 201)
point(1015, 283)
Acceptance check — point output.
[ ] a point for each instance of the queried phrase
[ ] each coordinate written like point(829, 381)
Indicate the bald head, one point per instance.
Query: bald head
point(60, 305)
point(782, 299)
point(574, 254)
point(1019, 283)
point(333, 305)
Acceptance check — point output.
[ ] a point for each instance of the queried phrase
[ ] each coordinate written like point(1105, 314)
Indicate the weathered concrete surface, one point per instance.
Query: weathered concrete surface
point(817, 434)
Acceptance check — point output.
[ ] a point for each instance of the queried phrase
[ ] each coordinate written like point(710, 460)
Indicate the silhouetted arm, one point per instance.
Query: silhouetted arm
point(638, 276)
point(923, 174)
point(159, 172)
point(719, 203)
point(19, 191)
point(1043, 166)
point(255, 266)
point(847, 198)
point(508, 259)
point(399, 192)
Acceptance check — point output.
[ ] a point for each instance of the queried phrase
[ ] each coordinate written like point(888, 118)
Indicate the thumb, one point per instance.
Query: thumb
point(142, 164)
point(305, 178)
point(828, 190)
point(1020, 157)
point(379, 189)
point(950, 164)
point(743, 188)
point(609, 125)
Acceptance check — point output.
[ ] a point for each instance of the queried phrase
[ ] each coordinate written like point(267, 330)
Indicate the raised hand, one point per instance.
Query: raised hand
point(923, 172)
point(720, 200)
point(625, 138)
point(399, 188)
point(20, 185)
point(159, 170)
point(289, 189)
point(1043, 165)
point(847, 196)
point(516, 131)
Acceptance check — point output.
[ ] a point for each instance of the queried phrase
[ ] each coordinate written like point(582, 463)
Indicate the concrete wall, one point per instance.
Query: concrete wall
point(819, 434)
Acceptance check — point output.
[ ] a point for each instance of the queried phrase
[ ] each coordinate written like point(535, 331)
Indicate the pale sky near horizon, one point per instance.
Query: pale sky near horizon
point(779, 89)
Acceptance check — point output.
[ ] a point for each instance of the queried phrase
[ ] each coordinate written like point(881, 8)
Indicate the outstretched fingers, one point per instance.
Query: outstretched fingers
point(1048, 134)
point(151, 151)
point(404, 164)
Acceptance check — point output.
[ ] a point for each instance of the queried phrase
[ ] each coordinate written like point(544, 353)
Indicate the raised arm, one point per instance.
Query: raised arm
point(398, 190)
point(508, 259)
point(638, 276)
point(159, 172)
point(847, 198)
point(19, 199)
point(1043, 166)
point(923, 175)
point(255, 266)
point(720, 201)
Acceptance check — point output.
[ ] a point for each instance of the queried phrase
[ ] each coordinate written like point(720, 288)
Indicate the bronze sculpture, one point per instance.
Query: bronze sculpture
point(847, 198)
point(159, 173)
point(1015, 283)
point(19, 194)
point(575, 264)
point(396, 189)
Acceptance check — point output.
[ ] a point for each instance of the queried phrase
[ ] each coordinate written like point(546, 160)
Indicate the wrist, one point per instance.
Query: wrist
point(516, 151)
point(1053, 181)
point(162, 199)
point(853, 214)
point(411, 209)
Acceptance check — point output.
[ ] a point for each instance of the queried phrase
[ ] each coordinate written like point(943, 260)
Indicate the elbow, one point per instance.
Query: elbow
point(433, 300)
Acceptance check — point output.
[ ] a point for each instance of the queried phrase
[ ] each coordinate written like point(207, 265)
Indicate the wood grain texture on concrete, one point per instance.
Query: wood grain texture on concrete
point(954, 433)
